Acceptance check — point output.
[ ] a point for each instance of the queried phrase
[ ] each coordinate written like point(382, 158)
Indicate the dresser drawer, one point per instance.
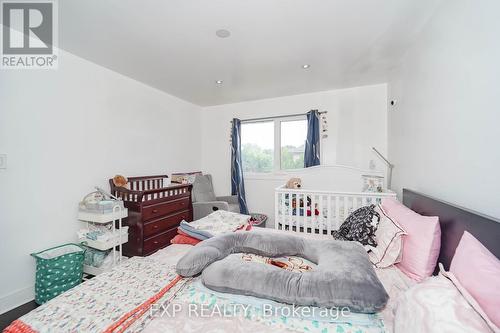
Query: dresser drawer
point(168, 208)
point(160, 241)
point(164, 223)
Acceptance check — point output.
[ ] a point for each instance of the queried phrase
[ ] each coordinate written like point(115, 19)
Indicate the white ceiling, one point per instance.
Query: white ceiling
point(171, 44)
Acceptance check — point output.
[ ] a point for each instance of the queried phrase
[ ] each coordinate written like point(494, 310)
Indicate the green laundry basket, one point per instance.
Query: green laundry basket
point(57, 269)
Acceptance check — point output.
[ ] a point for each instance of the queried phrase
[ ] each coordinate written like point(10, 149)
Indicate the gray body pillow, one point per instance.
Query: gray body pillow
point(344, 276)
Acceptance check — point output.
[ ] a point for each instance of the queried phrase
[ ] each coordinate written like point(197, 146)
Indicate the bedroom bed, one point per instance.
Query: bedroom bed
point(155, 275)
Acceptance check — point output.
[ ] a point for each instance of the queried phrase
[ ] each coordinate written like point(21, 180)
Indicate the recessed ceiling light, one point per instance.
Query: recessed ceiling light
point(223, 33)
point(306, 66)
point(219, 81)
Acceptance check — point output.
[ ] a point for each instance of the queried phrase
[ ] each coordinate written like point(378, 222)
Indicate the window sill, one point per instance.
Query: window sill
point(277, 175)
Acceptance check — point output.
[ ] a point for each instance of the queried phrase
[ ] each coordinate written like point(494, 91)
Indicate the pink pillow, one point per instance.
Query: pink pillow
point(478, 271)
point(422, 243)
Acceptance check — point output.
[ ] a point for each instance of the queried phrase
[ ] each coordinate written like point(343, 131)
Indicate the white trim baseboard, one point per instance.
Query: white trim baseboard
point(16, 298)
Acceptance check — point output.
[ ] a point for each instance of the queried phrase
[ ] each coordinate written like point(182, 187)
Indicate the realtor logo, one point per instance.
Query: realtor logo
point(29, 34)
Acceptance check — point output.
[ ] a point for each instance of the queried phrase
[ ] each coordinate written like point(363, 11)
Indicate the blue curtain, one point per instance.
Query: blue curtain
point(312, 151)
point(237, 183)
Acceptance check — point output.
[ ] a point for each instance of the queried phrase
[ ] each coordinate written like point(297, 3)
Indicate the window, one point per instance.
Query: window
point(257, 146)
point(273, 145)
point(293, 143)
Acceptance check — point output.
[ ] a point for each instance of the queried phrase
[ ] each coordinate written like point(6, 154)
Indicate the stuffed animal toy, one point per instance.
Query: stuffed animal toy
point(301, 206)
point(294, 183)
point(120, 181)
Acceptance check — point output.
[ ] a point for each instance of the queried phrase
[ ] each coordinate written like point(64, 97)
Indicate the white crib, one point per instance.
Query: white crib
point(314, 209)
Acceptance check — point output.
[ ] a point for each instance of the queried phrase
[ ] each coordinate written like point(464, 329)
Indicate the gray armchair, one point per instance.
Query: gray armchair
point(205, 201)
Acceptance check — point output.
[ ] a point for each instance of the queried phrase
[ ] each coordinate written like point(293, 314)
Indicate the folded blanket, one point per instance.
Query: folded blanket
point(184, 239)
point(182, 233)
point(192, 232)
point(220, 222)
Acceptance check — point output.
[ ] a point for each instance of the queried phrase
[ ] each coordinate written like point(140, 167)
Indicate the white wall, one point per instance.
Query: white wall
point(357, 119)
point(66, 131)
point(444, 131)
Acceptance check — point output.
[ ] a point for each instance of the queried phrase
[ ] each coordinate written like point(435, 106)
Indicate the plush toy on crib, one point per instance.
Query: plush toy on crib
point(294, 183)
point(301, 207)
point(120, 181)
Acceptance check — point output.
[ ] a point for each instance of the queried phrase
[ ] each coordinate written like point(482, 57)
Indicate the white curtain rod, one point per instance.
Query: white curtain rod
point(275, 117)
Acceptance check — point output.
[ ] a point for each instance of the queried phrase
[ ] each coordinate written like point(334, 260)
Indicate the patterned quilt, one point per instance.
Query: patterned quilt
point(132, 297)
point(103, 303)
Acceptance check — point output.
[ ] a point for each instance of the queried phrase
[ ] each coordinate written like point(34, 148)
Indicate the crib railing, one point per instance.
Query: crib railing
point(319, 211)
point(148, 189)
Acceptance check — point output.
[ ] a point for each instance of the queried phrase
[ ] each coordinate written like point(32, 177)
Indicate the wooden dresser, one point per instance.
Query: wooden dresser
point(155, 212)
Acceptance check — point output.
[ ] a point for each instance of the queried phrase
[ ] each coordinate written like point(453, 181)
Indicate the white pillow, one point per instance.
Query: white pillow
point(389, 241)
point(436, 305)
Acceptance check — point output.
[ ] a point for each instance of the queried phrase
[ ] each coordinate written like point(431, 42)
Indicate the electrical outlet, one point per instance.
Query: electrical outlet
point(3, 161)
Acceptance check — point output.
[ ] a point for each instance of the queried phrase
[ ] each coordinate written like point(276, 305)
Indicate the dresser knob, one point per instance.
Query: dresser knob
point(155, 210)
point(155, 242)
point(155, 226)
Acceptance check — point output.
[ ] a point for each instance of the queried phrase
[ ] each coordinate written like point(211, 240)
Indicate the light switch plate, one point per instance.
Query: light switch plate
point(3, 161)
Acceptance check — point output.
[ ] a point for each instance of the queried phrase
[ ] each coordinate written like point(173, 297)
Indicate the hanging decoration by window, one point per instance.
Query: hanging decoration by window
point(324, 125)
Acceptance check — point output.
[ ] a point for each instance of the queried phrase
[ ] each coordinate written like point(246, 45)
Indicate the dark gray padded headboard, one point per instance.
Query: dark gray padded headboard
point(454, 220)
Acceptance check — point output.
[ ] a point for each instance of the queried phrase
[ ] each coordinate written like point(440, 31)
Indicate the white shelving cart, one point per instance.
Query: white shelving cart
point(119, 235)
